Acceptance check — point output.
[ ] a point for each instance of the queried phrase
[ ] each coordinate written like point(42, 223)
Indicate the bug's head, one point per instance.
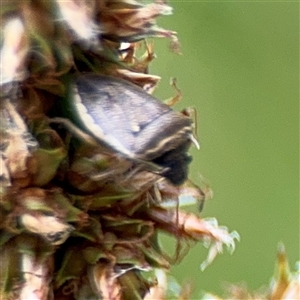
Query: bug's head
point(169, 138)
point(175, 163)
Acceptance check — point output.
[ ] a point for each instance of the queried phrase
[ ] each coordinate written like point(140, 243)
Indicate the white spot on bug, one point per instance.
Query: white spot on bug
point(135, 128)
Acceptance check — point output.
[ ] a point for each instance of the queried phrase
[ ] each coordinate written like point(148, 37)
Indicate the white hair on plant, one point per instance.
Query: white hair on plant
point(79, 17)
point(13, 50)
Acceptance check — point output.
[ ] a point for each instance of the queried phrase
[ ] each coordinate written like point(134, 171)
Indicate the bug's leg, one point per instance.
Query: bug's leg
point(195, 141)
point(191, 112)
point(172, 101)
point(150, 166)
point(77, 132)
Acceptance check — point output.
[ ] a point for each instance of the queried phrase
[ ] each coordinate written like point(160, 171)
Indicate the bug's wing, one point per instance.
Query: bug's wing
point(118, 113)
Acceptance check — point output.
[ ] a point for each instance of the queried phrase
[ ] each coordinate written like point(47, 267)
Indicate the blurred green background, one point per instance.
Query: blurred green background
point(240, 68)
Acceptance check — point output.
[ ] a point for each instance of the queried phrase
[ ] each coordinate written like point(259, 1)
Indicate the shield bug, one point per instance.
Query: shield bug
point(122, 116)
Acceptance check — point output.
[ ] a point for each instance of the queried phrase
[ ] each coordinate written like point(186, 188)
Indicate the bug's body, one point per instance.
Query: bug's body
point(124, 117)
